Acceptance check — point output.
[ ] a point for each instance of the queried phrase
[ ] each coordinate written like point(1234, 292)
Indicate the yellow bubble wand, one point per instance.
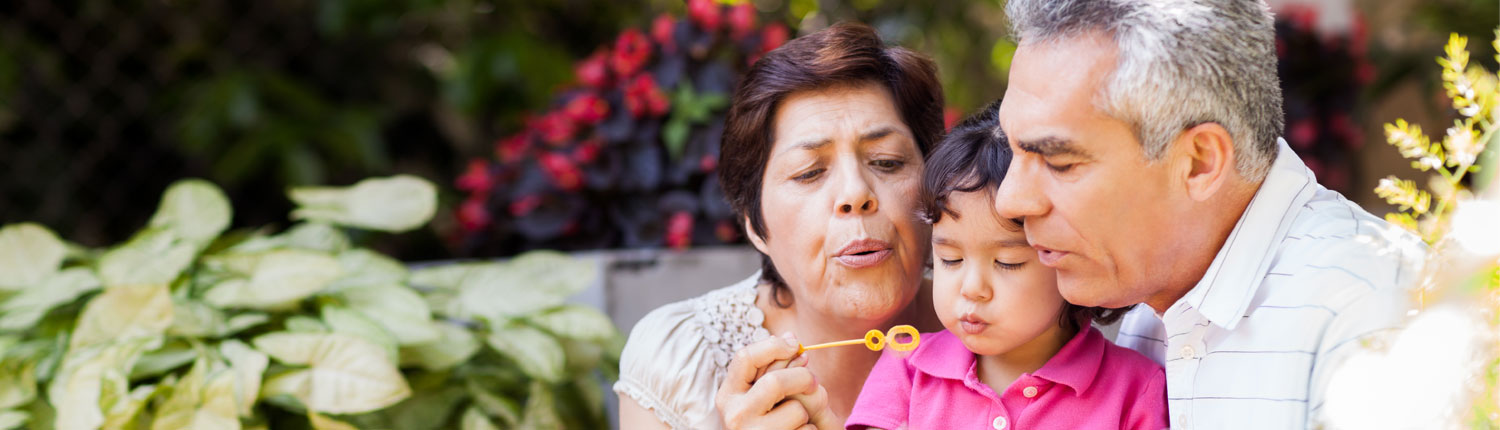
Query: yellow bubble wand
point(875, 340)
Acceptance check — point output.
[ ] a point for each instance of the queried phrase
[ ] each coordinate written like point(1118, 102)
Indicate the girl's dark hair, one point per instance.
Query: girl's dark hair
point(841, 55)
point(975, 157)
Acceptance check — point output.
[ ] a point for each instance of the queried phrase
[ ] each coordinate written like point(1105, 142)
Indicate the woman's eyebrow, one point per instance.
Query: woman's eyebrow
point(877, 134)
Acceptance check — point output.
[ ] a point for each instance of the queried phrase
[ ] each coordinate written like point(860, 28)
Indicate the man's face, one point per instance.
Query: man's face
point(1095, 208)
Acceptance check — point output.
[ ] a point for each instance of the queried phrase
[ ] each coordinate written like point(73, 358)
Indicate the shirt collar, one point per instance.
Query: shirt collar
point(943, 355)
point(1225, 292)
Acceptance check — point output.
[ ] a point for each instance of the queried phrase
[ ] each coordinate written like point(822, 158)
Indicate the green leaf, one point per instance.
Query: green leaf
point(24, 310)
point(29, 253)
point(674, 136)
point(13, 419)
point(576, 322)
point(453, 346)
point(540, 412)
point(193, 209)
point(529, 283)
point(363, 268)
point(273, 279)
point(494, 405)
point(306, 324)
point(315, 236)
point(192, 318)
point(473, 419)
point(445, 277)
point(203, 399)
point(123, 313)
point(248, 367)
point(399, 310)
point(323, 422)
point(126, 412)
point(153, 256)
point(395, 204)
point(346, 374)
point(17, 382)
point(346, 321)
point(91, 381)
point(430, 406)
point(172, 356)
point(536, 352)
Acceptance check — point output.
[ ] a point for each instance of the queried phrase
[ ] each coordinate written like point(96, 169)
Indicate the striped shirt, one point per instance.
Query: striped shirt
point(1305, 277)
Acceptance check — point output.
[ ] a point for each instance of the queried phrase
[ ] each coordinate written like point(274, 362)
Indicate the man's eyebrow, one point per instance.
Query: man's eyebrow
point(1050, 146)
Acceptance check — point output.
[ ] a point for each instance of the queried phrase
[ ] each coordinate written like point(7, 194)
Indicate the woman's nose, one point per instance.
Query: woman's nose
point(856, 196)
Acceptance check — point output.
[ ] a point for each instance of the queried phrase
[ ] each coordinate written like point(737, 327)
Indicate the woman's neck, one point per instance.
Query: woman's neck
point(999, 371)
point(842, 371)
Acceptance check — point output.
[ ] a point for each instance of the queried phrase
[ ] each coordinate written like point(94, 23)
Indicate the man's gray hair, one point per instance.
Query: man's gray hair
point(1181, 63)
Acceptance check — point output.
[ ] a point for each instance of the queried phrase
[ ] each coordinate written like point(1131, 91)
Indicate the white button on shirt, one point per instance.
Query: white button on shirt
point(998, 423)
point(1303, 276)
point(1029, 392)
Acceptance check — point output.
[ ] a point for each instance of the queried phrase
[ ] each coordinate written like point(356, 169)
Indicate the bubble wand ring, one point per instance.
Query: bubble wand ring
point(875, 340)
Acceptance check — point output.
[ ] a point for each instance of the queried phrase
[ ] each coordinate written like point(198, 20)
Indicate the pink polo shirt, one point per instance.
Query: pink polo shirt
point(1090, 384)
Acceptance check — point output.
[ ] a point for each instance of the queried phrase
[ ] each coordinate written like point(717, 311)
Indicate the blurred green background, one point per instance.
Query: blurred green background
point(104, 103)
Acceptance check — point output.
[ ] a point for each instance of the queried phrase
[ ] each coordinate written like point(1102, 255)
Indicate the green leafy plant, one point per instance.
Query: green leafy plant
point(187, 326)
point(1456, 215)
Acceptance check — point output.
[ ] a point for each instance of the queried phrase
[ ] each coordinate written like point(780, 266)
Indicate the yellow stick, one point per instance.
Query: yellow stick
point(833, 344)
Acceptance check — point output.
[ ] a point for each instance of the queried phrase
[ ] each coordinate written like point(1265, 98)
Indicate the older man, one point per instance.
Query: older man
point(1148, 169)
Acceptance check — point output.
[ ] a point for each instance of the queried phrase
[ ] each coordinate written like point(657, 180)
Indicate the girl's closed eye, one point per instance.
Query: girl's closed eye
point(1009, 266)
point(951, 263)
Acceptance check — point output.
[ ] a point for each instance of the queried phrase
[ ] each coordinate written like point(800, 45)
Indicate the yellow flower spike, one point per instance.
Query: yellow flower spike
point(875, 340)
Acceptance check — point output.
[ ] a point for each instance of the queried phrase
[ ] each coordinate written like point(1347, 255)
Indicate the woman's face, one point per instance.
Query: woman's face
point(838, 198)
point(987, 286)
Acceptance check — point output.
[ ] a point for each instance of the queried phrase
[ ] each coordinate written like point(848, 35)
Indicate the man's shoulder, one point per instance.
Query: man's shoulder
point(1334, 243)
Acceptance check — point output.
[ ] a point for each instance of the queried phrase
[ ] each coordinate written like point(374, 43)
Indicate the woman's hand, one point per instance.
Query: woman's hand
point(769, 387)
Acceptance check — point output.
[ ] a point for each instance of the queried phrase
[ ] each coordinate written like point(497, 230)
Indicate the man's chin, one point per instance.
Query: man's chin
point(1091, 292)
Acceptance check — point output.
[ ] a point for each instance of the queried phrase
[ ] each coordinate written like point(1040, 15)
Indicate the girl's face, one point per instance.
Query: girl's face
point(988, 287)
point(838, 198)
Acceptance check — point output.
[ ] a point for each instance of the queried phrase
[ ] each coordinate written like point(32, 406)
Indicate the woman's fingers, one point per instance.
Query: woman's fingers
point(781, 384)
point(749, 362)
point(818, 411)
point(787, 415)
point(799, 361)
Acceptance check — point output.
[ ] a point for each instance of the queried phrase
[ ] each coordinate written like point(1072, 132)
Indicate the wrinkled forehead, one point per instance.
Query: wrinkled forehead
point(1054, 85)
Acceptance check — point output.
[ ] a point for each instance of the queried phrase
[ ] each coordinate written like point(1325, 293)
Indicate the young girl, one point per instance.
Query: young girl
point(1015, 355)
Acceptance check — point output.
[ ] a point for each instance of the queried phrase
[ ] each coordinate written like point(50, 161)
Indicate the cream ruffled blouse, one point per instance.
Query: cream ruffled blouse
point(678, 354)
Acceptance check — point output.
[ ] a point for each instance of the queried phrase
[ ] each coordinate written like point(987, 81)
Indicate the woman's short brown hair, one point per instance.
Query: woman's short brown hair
point(844, 54)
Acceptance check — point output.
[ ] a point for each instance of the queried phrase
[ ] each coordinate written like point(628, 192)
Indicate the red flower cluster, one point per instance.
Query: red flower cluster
point(477, 179)
point(554, 128)
point(644, 98)
point(741, 21)
point(587, 109)
point(662, 29)
point(616, 93)
point(563, 172)
point(510, 150)
point(593, 71)
point(631, 52)
point(680, 230)
point(705, 13)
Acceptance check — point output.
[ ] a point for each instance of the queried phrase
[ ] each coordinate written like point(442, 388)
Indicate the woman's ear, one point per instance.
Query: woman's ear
point(755, 239)
point(1209, 152)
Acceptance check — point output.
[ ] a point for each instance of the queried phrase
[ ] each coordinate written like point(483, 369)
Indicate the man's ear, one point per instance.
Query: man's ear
point(1209, 155)
point(755, 239)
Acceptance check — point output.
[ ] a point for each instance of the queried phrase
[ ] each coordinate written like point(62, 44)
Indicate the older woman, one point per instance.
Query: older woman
point(822, 159)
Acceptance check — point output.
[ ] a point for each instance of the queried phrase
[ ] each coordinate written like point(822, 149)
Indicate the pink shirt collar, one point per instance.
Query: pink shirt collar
point(943, 355)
